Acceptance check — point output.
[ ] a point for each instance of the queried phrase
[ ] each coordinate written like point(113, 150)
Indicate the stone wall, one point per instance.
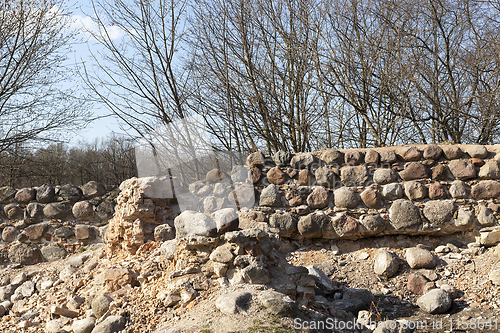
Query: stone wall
point(331, 194)
point(64, 217)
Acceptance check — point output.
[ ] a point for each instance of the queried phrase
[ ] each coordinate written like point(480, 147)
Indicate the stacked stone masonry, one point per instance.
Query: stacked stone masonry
point(45, 222)
point(332, 194)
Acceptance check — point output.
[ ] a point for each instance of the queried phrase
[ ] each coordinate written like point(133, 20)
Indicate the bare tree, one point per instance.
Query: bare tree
point(35, 100)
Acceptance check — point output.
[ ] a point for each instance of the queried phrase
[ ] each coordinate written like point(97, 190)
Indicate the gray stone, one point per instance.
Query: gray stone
point(353, 157)
point(459, 189)
point(414, 171)
point(245, 195)
point(313, 225)
point(57, 210)
point(84, 325)
point(489, 236)
point(7, 291)
point(434, 302)
point(462, 169)
point(211, 203)
point(432, 152)
point(372, 157)
point(420, 258)
point(439, 212)
point(392, 191)
point(486, 189)
point(226, 219)
point(325, 177)
point(352, 176)
point(64, 232)
point(485, 216)
point(221, 189)
point(85, 232)
point(415, 190)
point(233, 302)
point(54, 326)
point(168, 249)
point(164, 232)
point(490, 170)
point(100, 305)
point(384, 176)
point(222, 254)
point(282, 158)
point(353, 305)
point(404, 214)
point(374, 224)
point(83, 210)
point(13, 211)
point(26, 289)
point(34, 210)
point(9, 234)
point(318, 199)
point(452, 152)
point(53, 252)
point(24, 254)
point(93, 189)
point(25, 195)
point(388, 157)
point(477, 151)
point(322, 280)
point(465, 219)
point(278, 303)
point(346, 198)
point(105, 210)
point(303, 161)
point(332, 156)
point(7, 193)
point(215, 175)
point(45, 193)
point(270, 196)
point(255, 159)
point(410, 154)
point(385, 263)
point(286, 223)
point(364, 295)
point(63, 311)
point(239, 174)
point(255, 274)
point(206, 190)
point(111, 324)
point(70, 192)
point(191, 223)
point(36, 231)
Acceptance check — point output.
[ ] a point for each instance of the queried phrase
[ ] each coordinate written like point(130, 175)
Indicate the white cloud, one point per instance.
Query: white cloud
point(87, 26)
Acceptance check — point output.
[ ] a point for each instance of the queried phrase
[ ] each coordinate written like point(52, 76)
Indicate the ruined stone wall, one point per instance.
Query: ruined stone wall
point(45, 222)
point(331, 194)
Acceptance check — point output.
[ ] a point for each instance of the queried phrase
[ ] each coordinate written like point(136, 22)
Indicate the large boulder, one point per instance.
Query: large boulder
point(82, 210)
point(462, 169)
point(352, 176)
point(435, 301)
point(486, 189)
point(385, 263)
point(24, 254)
point(191, 223)
point(270, 196)
point(439, 212)
point(25, 195)
point(403, 214)
point(57, 210)
point(70, 193)
point(286, 223)
point(45, 193)
point(314, 225)
point(93, 189)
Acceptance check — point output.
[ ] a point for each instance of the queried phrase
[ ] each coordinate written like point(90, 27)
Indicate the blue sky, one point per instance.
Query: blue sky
point(81, 21)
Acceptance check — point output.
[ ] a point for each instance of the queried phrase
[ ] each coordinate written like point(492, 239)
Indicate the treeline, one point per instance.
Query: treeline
point(108, 161)
point(306, 74)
